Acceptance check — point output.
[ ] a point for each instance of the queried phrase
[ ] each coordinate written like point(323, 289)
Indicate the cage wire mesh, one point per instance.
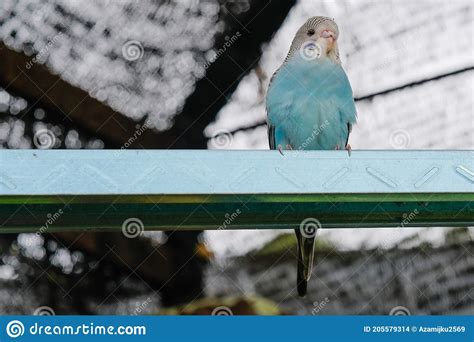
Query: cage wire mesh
point(410, 65)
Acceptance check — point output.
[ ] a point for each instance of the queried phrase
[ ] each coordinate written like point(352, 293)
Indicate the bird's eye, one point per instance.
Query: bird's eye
point(310, 32)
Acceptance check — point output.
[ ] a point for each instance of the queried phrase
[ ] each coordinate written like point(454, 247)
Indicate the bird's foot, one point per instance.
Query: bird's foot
point(337, 147)
point(349, 149)
point(280, 149)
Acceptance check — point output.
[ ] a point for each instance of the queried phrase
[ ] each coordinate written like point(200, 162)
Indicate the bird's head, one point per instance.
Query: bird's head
point(317, 38)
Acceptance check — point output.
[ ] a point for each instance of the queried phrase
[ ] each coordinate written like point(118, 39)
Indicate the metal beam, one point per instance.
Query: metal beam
point(72, 190)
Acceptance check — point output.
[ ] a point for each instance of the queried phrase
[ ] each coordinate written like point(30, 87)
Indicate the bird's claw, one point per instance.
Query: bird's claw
point(288, 147)
point(349, 149)
point(280, 150)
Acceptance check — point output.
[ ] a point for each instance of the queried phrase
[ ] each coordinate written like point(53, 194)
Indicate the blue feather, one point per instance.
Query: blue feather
point(310, 104)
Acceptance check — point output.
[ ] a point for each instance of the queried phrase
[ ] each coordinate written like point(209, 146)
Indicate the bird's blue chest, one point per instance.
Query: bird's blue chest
point(310, 104)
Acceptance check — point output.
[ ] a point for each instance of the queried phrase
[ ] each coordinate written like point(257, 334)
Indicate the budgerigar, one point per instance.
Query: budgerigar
point(310, 106)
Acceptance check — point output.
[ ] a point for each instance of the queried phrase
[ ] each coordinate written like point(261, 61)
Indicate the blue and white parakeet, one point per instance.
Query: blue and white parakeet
point(310, 106)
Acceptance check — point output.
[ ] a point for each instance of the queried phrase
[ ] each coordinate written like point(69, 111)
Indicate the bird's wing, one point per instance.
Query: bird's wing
point(271, 135)
point(273, 76)
point(271, 127)
point(349, 130)
point(347, 110)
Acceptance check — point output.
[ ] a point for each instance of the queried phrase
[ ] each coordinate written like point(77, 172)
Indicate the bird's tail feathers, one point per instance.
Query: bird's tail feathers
point(305, 260)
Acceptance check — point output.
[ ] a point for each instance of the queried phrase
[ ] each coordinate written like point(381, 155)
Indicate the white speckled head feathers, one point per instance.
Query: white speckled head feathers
point(312, 30)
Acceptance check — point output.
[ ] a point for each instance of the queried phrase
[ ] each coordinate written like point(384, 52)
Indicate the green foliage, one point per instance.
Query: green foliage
point(457, 235)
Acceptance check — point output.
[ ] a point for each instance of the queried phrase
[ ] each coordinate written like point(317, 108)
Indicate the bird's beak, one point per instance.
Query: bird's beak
point(330, 35)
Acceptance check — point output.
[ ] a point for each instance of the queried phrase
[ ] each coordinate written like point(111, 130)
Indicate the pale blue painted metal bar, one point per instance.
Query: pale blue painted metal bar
point(180, 189)
point(111, 172)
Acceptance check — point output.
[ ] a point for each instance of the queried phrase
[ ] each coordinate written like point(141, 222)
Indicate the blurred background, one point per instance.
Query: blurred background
point(92, 74)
